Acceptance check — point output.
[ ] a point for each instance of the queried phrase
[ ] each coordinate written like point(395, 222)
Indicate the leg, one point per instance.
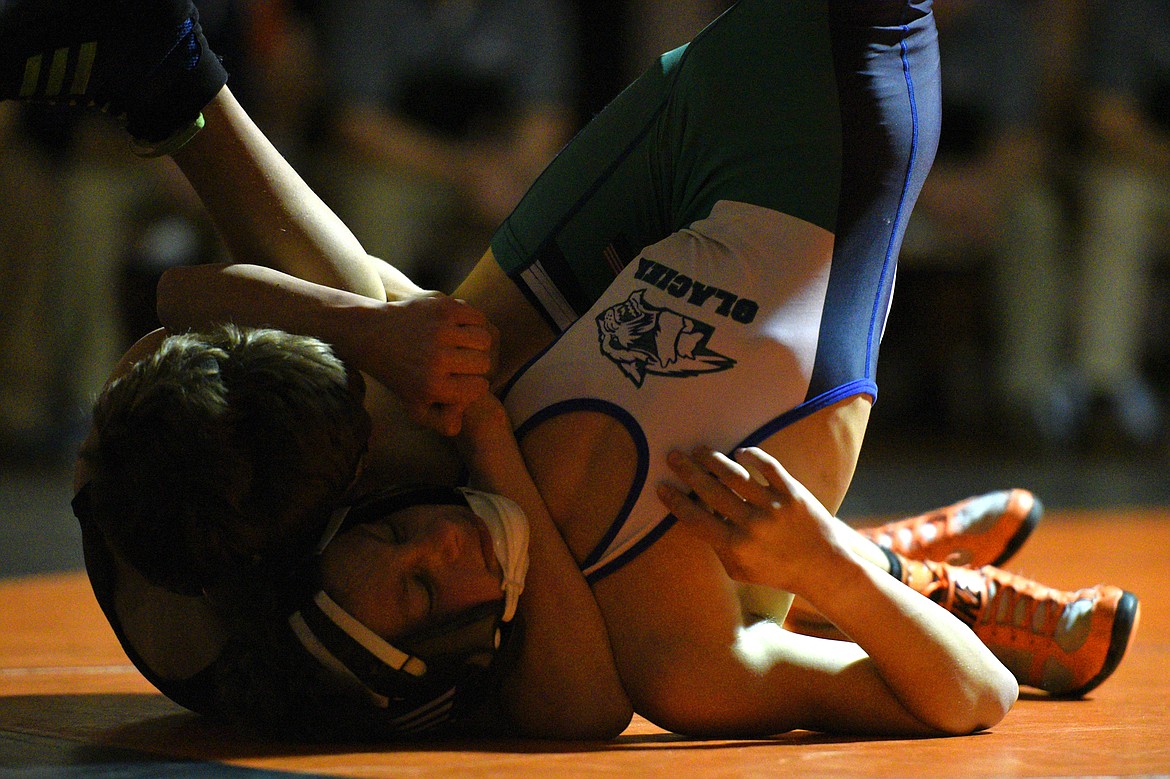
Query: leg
point(1115, 271)
point(769, 530)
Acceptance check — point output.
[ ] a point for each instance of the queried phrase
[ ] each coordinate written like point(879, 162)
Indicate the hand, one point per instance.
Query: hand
point(435, 352)
point(765, 527)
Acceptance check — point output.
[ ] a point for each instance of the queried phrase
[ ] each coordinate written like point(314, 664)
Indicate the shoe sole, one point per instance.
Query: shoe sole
point(1021, 535)
point(1129, 611)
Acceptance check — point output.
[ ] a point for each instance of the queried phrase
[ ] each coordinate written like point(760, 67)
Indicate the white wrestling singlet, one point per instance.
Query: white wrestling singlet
point(707, 335)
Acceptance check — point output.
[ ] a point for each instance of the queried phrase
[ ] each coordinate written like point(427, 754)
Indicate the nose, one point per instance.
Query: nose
point(441, 545)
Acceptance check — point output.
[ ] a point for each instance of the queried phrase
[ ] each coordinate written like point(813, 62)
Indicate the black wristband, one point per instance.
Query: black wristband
point(895, 563)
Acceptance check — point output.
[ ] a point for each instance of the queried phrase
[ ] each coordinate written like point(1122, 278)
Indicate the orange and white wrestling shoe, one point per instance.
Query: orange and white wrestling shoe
point(1065, 643)
point(984, 530)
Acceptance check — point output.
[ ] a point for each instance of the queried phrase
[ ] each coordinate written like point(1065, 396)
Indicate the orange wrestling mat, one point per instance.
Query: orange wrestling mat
point(71, 705)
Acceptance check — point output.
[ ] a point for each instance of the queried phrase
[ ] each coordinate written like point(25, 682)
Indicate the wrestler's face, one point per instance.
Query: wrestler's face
point(414, 568)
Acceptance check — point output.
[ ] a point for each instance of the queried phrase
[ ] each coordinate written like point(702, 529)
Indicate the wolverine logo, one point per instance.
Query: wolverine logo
point(645, 339)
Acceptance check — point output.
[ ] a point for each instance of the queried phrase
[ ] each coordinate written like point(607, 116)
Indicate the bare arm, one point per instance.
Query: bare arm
point(433, 351)
point(267, 214)
point(912, 662)
point(566, 684)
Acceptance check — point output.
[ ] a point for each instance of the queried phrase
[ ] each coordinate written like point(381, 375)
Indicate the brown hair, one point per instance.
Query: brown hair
point(217, 458)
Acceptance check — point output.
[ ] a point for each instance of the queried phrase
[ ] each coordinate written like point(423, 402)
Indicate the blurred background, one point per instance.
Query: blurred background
point(1027, 344)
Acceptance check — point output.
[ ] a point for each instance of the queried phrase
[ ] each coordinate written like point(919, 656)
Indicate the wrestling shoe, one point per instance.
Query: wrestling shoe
point(1065, 643)
point(984, 530)
point(144, 61)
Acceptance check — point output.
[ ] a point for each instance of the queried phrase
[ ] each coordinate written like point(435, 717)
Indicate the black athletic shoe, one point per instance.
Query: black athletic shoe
point(144, 61)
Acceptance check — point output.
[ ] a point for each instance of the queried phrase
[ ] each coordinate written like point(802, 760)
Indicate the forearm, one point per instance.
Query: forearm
point(936, 667)
point(267, 214)
point(913, 668)
point(255, 296)
point(569, 687)
point(566, 683)
point(433, 351)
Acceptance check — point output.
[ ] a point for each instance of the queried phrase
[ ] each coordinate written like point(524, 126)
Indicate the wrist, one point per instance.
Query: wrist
point(484, 422)
point(833, 578)
point(347, 322)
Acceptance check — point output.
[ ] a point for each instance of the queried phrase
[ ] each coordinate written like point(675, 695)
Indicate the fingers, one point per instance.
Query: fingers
point(726, 493)
point(723, 497)
point(728, 487)
point(466, 314)
point(697, 517)
point(467, 342)
point(451, 323)
point(477, 338)
point(462, 362)
point(460, 391)
point(765, 470)
point(783, 486)
point(713, 479)
point(471, 324)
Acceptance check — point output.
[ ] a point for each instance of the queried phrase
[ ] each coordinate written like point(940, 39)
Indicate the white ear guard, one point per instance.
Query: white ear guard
point(509, 529)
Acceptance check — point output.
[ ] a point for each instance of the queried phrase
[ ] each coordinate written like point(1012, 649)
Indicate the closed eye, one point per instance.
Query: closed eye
point(416, 600)
point(387, 532)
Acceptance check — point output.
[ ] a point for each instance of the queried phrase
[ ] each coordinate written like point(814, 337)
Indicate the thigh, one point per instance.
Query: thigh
point(821, 450)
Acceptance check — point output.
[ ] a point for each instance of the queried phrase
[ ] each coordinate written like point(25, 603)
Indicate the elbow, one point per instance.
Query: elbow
point(605, 723)
point(586, 709)
point(983, 705)
point(698, 706)
point(593, 720)
point(999, 697)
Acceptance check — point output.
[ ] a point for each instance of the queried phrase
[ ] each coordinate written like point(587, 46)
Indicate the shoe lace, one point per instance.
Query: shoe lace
point(1015, 601)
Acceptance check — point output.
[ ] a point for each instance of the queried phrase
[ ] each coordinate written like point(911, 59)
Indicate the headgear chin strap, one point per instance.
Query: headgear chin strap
point(416, 681)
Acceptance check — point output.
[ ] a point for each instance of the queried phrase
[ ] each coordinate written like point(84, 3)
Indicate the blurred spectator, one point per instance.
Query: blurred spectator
point(1124, 208)
point(64, 263)
point(35, 388)
point(992, 194)
point(96, 226)
point(442, 113)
